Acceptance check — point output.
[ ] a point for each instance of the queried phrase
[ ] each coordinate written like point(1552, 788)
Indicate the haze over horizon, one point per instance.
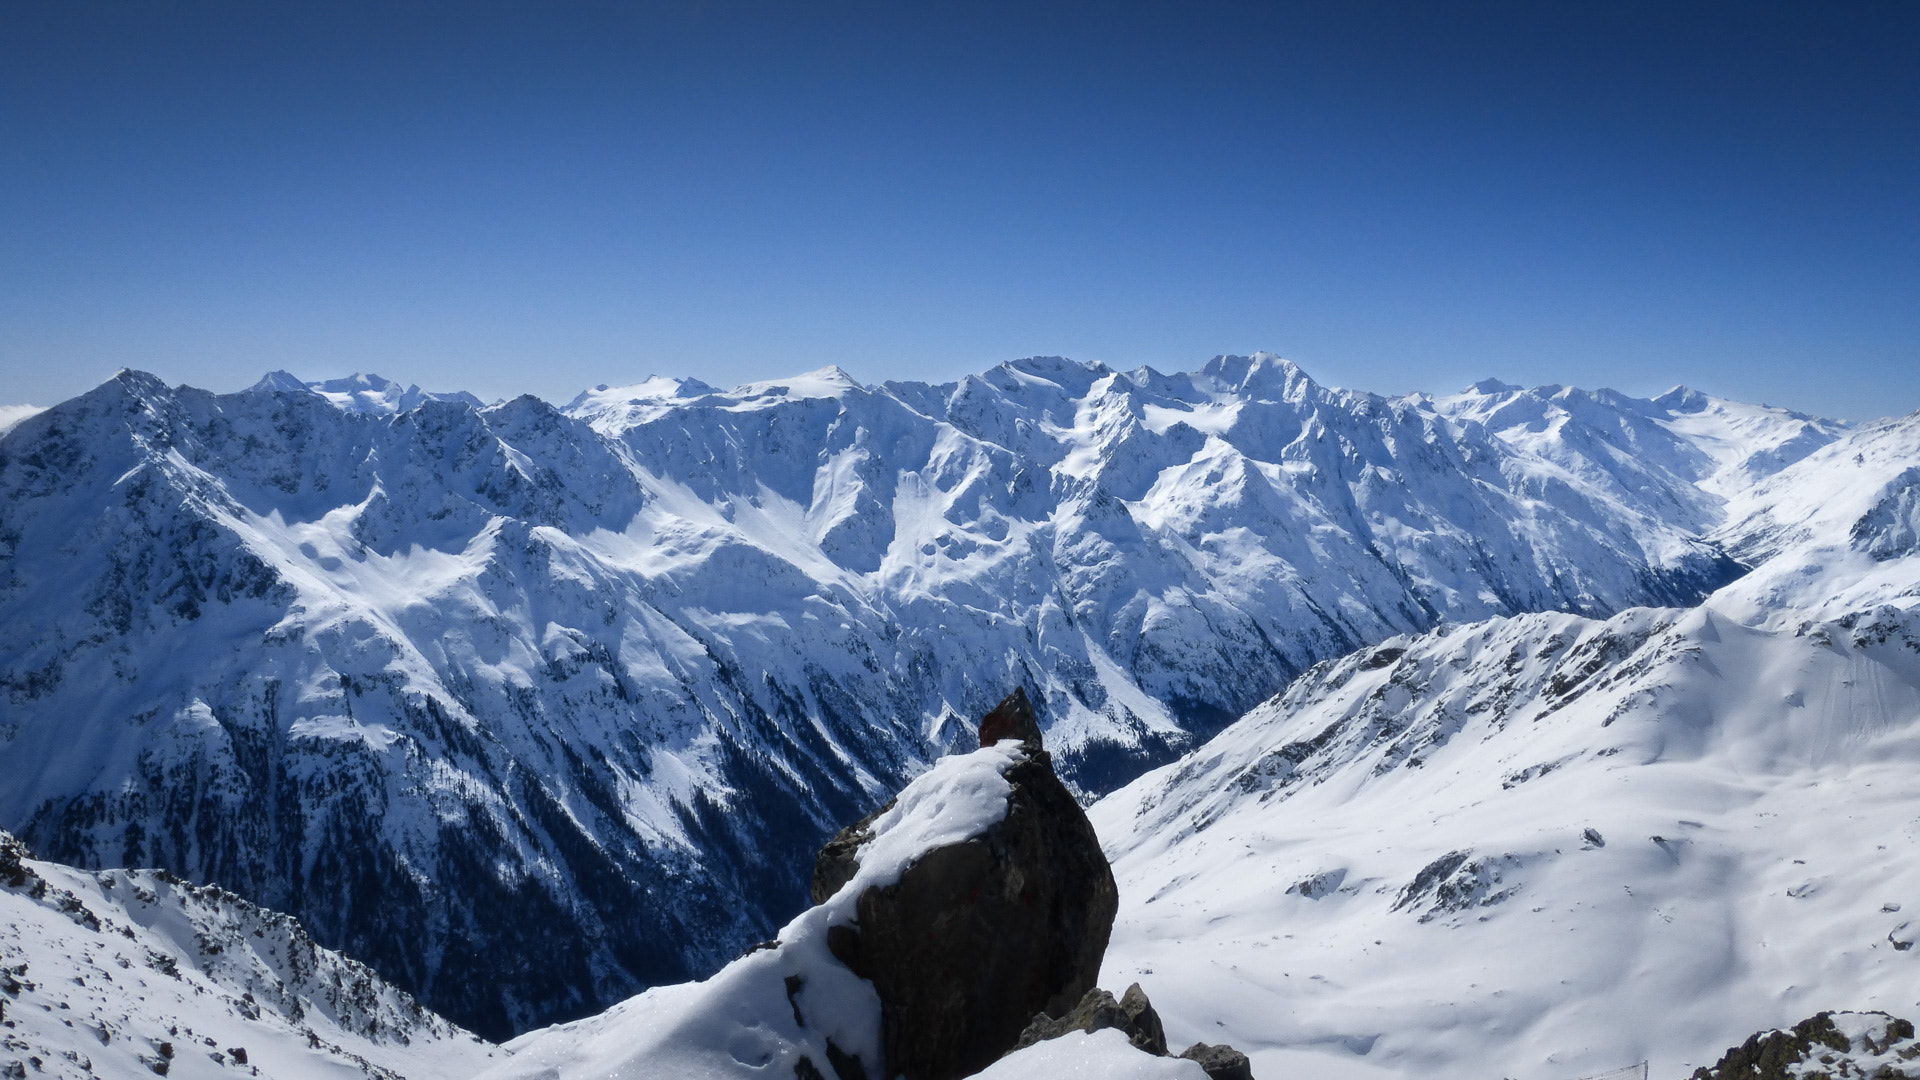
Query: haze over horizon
point(497, 199)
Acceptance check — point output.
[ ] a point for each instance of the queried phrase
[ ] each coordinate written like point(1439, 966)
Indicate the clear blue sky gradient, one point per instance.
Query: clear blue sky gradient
point(513, 198)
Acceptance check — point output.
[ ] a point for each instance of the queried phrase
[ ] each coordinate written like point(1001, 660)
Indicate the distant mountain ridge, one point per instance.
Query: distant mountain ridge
point(362, 393)
point(462, 685)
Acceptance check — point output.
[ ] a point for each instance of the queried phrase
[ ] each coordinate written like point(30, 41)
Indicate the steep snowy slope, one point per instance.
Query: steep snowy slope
point(1538, 847)
point(131, 973)
point(461, 687)
point(1838, 531)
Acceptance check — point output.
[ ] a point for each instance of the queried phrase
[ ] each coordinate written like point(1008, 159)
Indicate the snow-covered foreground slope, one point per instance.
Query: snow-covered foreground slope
point(465, 686)
point(128, 973)
point(1538, 847)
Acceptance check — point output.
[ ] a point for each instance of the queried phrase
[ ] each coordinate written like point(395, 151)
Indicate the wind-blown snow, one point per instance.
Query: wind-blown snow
point(11, 415)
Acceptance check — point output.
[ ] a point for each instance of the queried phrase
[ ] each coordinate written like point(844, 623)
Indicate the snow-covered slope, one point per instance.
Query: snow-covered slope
point(1538, 847)
point(464, 686)
point(129, 973)
point(1697, 449)
point(1837, 532)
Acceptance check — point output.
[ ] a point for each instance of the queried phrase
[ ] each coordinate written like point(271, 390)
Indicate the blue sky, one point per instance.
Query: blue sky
point(516, 198)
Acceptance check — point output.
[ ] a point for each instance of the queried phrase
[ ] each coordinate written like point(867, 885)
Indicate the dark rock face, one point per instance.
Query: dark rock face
point(1134, 1015)
point(1012, 719)
point(977, 937)
point(1220, 1062)
point(1143, 1024)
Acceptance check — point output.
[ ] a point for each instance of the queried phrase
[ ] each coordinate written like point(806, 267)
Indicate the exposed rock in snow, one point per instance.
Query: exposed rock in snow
point(1097, 1011)
point(1827, 1046)
point(128, 973)
point(1100, 1055)
point(976, 937)
point(1134, 1016)
point(1219, 1062)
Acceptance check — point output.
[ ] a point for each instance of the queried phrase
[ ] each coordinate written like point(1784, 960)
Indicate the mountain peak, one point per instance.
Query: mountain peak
point(1682, 399)
point(280, 381)
point(1262, 374)
point(1491, 386)
point(1069, 374)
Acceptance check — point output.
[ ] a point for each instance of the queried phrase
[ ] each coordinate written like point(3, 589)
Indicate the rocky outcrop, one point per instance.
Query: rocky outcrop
point(1134, 1015)
point(977, 937)
point(1870, 1045)
point(1220, 1062)
point(1097, 1010)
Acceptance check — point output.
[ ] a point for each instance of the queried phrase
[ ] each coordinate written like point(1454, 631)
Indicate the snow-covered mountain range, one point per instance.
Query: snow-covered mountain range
point(530, 707)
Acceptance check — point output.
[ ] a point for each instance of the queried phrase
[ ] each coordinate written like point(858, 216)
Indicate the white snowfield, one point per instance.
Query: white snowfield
point(1547, 846)
point(760, 1015)
point(124, 973)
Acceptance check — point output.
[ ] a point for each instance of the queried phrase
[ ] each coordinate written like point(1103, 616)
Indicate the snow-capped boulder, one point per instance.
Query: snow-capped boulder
point(976, 937)
point(975, 898)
